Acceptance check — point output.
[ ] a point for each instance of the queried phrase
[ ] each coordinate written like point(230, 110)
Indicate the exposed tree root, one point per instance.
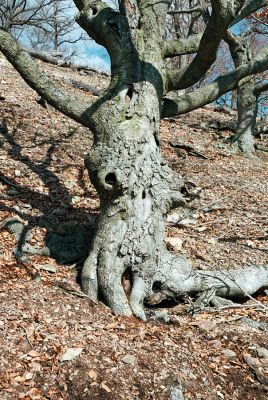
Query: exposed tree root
point(172, 278)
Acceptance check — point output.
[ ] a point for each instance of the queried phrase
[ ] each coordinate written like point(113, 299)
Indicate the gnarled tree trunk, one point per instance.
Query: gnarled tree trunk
point(136, 187)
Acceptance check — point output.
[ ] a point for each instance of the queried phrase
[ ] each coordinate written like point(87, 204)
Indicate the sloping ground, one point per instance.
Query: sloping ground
point(42, 314)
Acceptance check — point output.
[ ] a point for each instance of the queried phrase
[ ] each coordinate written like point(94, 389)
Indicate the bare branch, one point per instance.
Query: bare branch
point(222, 15)
point(259, 20)
point(178, 47)
point(221, 85)
point(250, 6)
point(189, 11)
point(262, 87)
point(69, 105)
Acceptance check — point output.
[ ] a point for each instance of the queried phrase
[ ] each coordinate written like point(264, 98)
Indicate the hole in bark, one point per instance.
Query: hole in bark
point(143, 195)
point(94, 10)
point(127, 281)
point(129, 93)
point(156, 286)
point(110, 179)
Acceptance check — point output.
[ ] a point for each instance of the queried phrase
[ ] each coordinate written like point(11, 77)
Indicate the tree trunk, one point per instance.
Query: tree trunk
point(136, 190)
point(247, 113)
point(136, 187)
point(246, 98)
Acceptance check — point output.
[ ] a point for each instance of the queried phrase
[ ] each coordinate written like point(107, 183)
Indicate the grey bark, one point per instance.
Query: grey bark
point(136, 187)
point(177, 105)
point(246, 98)
point(51, 59)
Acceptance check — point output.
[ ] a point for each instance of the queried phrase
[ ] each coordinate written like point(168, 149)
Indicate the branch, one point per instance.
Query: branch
point(210, 92)
point(250, 6)
point(262, 87)
point(259, 20)
point(221, 17)
point(110, 29)
point(189, 11)
point(178, 47)
point(44, 56)
point(69, 105)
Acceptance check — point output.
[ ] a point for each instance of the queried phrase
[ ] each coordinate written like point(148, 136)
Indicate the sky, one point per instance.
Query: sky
point(94, 55)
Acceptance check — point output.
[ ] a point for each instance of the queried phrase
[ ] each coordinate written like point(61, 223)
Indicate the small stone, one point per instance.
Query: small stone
point(71, 353)
point(75, 199)
point(28, 376)
point(215, 343)
point(25, 205)
point(70, 184)
point(17, 172)
point(161, 316)
point(176, 392)
point(175, 243)
point(207, 325)
point(129, 359)
point(228, 353)
point(262, 352)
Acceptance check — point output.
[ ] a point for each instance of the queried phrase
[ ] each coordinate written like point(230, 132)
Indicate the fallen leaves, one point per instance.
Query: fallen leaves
point(70, 354)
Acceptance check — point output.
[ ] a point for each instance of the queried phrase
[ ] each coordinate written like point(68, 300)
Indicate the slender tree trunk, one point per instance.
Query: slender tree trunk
point(247, 113)
point(246, 99)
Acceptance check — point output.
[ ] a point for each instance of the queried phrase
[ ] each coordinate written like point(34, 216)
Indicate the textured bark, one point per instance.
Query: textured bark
point(246, 98)
point(178, 105)
point(223, 13)
point(247, 113)
point(135, 186)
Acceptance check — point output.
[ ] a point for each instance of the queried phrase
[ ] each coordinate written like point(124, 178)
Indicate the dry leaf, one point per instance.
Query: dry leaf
point(105, 387)
point(71, 353)
point(92, 374)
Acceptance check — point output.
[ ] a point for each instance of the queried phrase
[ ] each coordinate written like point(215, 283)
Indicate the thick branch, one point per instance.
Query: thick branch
point(178, 47)
point(217, 88)
point(69, 105)
point(174, 48)
point(221, 17)
point(261, 87)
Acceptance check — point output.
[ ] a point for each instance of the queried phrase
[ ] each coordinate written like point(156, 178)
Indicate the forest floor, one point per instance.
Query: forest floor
point(215, 355)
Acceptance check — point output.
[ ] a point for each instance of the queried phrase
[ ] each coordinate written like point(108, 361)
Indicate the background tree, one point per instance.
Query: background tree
point(57, 31)
point(46, 25)
point(15, 15)
point(135, 185)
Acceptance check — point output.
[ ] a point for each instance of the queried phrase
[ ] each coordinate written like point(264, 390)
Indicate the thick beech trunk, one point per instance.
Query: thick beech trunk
point(136, 187)
point(136, 190)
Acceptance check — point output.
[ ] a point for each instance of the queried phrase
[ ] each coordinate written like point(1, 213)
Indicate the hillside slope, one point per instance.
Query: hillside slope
point(43, 183)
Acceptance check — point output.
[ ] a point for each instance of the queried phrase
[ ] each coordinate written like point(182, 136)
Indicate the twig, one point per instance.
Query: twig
point(236, 238)
point(8, 182)
point(207, 207)
point(73, 292)
point(214, 309)
point(190, 150)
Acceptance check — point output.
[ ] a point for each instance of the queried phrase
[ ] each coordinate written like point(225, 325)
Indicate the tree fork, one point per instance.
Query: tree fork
point(135, 186)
